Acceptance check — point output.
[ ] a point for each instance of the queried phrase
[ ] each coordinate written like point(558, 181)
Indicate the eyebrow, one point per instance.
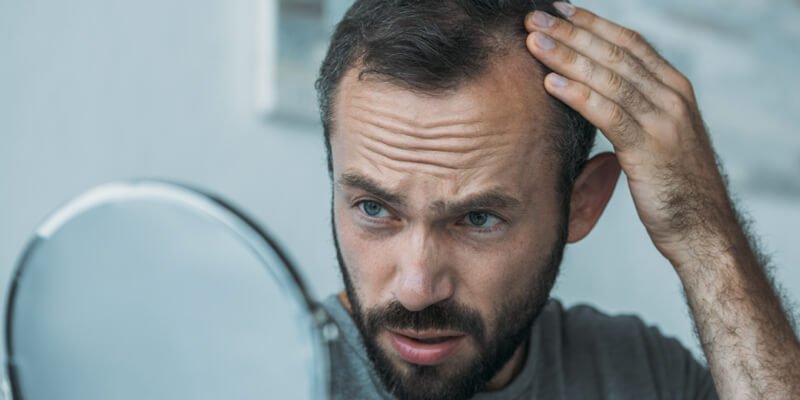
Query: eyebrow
point(368, 185)
point(491, 199)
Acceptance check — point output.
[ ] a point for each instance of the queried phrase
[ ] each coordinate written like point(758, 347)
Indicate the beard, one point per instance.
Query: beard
point(513, 320)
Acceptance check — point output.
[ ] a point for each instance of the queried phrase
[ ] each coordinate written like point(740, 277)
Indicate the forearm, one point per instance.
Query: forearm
point(752, 350)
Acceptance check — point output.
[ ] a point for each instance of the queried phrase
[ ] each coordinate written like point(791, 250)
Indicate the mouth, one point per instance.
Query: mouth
point(425, 348)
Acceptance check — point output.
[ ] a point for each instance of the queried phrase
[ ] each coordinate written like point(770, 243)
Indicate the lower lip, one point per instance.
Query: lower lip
point(420, 353)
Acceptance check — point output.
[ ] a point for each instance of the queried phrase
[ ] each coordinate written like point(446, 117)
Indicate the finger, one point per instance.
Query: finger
point(604, 52)
point(630, 40)
point(575, 66)
point(617, 125)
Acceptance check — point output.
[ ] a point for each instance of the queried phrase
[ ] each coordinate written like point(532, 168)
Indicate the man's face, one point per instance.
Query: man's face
point(448, 223)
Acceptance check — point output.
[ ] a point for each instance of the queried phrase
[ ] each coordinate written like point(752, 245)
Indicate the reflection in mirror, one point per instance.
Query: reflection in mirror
point(151, 291)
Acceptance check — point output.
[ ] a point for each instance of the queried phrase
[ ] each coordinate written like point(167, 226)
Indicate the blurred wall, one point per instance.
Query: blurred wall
point(92, 91)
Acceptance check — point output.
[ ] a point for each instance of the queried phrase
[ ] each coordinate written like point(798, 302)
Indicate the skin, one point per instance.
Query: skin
point(432, 157)
point(648, 110)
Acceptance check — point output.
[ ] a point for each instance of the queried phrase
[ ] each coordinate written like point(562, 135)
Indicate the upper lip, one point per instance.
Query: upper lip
point(426, 334)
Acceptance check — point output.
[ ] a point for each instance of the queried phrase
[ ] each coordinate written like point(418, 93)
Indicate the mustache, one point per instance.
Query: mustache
point(447, 315)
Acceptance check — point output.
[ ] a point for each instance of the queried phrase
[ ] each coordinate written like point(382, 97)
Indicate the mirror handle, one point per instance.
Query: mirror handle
point(5, 389)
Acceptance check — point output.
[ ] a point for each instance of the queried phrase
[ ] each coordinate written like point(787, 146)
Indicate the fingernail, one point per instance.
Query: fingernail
point(557, 80)
point(543, 19)
point(566, 9)
point(544, 41)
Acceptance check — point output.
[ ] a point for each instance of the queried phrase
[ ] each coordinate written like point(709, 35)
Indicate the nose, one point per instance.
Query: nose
point(424, 276)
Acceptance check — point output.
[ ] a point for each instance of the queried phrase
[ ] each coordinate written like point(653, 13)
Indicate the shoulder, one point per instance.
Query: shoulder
point(591, 329)
point(621, 353)
point(587, 327)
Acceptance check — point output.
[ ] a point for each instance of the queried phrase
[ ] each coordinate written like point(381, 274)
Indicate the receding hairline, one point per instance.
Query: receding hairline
point(521, 62)
point(502, 44)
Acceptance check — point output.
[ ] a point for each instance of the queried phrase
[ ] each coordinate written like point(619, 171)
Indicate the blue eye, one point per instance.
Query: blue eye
point(482, 219)
point(372, 208)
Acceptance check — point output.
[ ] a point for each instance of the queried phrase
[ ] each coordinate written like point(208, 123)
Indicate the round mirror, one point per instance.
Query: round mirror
point(149, 290)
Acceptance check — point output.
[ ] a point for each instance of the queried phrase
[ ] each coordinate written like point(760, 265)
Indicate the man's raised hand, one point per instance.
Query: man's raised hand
point(648, 111)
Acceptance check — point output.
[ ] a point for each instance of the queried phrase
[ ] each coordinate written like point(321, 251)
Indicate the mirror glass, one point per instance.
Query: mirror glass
point(148, 290)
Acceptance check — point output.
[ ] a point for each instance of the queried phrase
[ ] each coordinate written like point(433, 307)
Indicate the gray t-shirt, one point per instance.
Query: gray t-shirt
point(577, 353)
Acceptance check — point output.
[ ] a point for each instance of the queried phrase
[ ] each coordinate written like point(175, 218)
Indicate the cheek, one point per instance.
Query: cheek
point(509, 269)
point(366, 261)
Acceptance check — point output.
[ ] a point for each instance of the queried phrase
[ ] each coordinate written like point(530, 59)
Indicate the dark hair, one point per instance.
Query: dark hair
point(433, 46)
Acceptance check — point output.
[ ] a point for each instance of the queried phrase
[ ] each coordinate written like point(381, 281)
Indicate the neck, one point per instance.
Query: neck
point(510, 370)
point(345, 302)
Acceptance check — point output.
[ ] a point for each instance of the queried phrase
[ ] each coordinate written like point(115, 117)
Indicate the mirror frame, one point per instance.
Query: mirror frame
point(239, 224)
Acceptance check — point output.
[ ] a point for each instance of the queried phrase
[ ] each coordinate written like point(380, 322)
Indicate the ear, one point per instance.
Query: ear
point(590, 194)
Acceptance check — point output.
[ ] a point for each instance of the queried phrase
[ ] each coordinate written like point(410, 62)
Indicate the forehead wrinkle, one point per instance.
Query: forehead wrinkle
point(371, 160)
point(453, 129)
point(453, 153)
point(458, 151)
point(455, 147)
point(405, 168)
point(437, 162)
point(399, 123)
point(436, 157)
point(414, 157)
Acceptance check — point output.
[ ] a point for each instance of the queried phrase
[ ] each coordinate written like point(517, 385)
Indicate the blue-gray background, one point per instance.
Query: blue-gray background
point(219, 94)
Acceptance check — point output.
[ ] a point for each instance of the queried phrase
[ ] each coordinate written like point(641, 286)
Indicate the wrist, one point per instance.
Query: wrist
point(727, 251)
point(699, 229)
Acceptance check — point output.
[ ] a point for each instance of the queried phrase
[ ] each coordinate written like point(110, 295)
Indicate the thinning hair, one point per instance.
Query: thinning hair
point(437, 46)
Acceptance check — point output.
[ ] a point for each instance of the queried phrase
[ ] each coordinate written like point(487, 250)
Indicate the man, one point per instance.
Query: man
point(458, 134)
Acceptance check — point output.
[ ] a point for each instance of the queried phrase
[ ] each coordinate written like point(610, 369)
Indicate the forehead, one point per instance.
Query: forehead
point(492, 131)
